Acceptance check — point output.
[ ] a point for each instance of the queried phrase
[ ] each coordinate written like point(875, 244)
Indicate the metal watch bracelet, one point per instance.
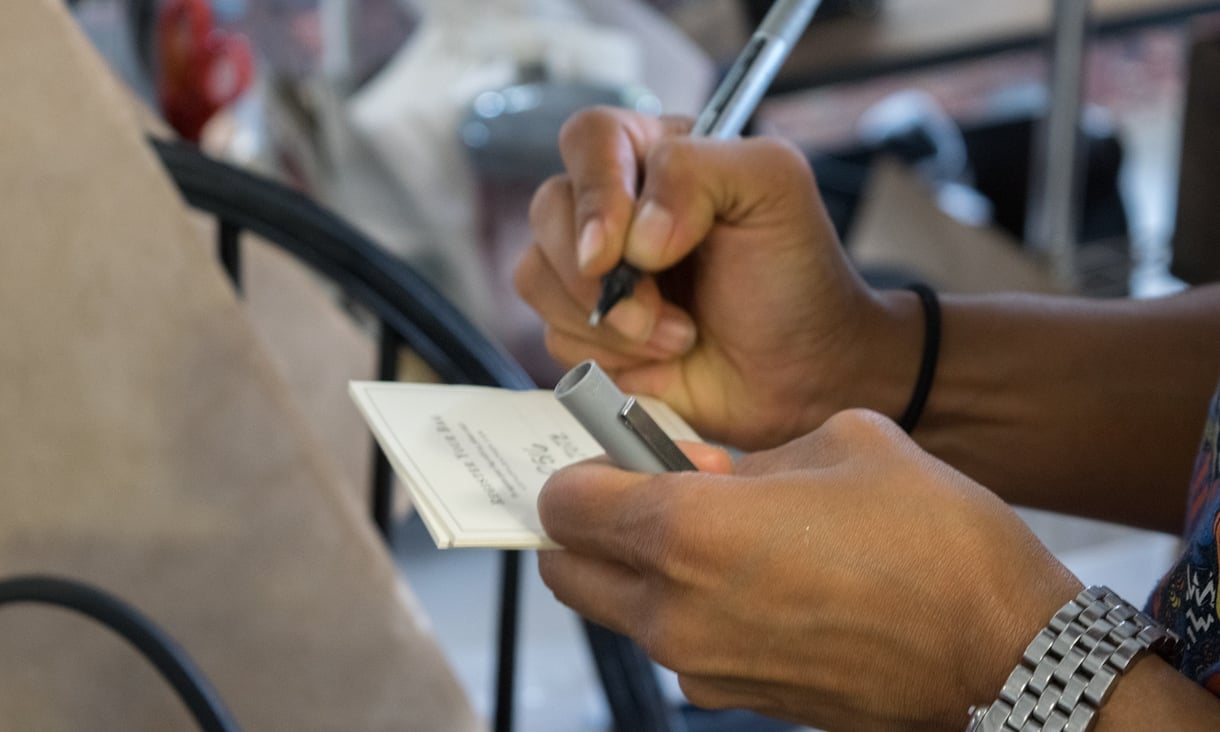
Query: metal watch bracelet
point(1070, 667)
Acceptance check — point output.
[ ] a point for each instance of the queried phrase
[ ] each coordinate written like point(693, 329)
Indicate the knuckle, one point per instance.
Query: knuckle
point(677, 124)
point(553, 340)
point(562, 348)
point(554, 500)
point(861, 425)
point(669, 157)
point(790, 158)
point(784, 161)
point(548, 568)
point(554, 193)
point(778, 151)
point(665, 639)
point(772, 161)
point(857, 420)
point(556, 572)
point(525, 274)
point(581, 126)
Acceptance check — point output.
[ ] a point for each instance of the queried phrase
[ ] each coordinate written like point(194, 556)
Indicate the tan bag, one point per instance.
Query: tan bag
point(148, 446)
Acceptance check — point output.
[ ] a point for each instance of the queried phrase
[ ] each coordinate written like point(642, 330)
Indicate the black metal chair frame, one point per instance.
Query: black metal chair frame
point(412, 314)
point(152, 642)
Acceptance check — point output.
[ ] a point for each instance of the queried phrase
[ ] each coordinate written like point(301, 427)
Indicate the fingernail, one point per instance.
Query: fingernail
point(631, 319)
point(673, 335)
point(590, 244)
point(650, 232)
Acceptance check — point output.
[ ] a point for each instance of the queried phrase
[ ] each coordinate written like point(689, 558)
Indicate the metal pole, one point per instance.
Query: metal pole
point(336, 62)
point(506, 658)
point(382, 489)
point(1057, 176)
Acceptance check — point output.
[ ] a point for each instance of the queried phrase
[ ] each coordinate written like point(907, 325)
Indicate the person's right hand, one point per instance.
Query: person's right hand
point(756, 328)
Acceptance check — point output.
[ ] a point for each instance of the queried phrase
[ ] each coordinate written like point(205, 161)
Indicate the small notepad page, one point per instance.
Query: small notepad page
point(475, 458)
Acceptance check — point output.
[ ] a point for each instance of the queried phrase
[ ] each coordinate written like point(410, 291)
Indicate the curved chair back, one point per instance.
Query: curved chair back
point(411, 313)
point(414, 314)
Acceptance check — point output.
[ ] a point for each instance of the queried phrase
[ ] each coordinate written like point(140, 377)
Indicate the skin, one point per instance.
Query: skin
point(842, 574)
point(847, 580)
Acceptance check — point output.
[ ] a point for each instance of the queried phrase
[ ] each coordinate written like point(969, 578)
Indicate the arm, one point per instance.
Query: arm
point(756, 329)
point(1092, 407)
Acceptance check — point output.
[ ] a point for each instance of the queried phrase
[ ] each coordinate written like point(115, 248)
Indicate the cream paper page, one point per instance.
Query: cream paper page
point(474, 458)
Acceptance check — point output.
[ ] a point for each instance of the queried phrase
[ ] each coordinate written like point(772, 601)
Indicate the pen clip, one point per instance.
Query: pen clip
point(642, 424)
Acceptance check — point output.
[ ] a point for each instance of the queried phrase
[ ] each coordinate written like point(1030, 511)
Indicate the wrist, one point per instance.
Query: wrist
point(1009, 603)
point(927, 360)
point(880, 365)
point(1073, 665)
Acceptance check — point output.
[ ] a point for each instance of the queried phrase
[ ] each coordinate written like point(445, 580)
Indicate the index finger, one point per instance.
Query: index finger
point(603, 149)
point(595, 509)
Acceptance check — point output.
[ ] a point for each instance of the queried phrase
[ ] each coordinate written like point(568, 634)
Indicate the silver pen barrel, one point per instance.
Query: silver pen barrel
point(752, 72)
point(787, 19)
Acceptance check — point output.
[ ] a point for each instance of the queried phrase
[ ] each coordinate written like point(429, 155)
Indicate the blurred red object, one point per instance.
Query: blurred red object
point(200, 68)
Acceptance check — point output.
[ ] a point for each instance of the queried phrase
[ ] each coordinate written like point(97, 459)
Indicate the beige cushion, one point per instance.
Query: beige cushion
point(148, 445)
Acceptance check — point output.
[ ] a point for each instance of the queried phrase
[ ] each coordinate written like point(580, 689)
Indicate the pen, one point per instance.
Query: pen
point(630, 437)
point(729, 109)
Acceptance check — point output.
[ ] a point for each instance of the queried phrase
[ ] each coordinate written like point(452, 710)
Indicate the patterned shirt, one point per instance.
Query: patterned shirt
point(1186, 598)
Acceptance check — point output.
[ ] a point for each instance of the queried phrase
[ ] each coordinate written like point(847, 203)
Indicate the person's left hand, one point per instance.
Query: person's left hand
point(846, 580)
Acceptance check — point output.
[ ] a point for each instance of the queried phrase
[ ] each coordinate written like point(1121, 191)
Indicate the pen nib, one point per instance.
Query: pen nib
point(617, 285)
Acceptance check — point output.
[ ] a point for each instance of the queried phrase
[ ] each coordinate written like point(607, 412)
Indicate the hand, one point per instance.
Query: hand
point(757, 329)
point(846, 580)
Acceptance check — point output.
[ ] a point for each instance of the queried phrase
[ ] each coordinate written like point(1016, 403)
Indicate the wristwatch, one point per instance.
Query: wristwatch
point(1068, 671)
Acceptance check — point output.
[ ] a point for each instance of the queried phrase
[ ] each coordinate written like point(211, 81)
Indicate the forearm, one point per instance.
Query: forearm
point(1083, 406)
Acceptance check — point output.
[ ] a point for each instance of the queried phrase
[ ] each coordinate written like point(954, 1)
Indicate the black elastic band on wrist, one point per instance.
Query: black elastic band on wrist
point(927, 364)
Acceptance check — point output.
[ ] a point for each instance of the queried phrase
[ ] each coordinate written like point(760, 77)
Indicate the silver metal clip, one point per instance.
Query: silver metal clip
point(642, 424)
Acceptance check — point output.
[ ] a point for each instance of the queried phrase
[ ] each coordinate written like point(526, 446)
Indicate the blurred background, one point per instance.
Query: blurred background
point(428, 123)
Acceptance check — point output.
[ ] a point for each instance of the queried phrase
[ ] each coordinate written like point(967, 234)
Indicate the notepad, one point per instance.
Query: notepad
point(474, 458)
